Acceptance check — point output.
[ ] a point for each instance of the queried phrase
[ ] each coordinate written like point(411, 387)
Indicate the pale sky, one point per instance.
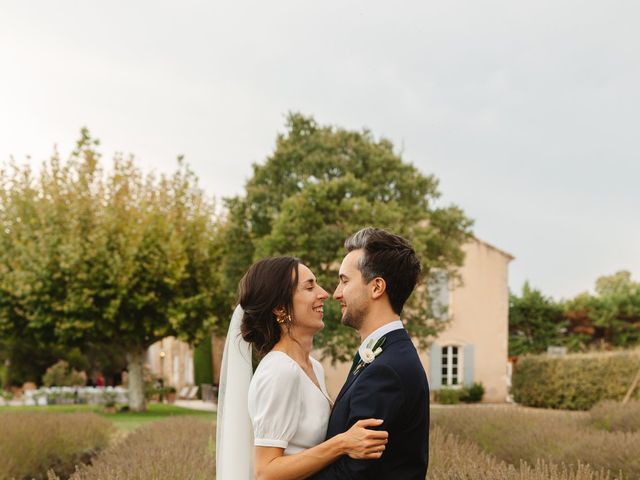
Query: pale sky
point(526, 111)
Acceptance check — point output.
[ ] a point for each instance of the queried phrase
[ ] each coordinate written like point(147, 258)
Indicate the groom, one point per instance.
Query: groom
point(387, 380)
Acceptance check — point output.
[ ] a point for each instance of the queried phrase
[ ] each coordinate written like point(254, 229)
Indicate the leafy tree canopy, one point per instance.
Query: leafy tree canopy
point(320, 185)
point(612, 315)
point(115, 258)
point(535, 322)
point(608, 318)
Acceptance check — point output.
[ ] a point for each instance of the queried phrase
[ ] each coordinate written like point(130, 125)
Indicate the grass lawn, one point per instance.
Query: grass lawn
point(125, 421)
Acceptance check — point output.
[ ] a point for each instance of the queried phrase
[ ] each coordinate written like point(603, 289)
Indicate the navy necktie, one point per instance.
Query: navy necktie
point(356, 361)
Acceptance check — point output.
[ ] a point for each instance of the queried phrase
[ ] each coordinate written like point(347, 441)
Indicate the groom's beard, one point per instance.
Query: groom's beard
point(354, 316)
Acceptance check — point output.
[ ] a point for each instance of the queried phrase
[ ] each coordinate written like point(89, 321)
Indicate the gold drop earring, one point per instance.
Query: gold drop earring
point(283, 317)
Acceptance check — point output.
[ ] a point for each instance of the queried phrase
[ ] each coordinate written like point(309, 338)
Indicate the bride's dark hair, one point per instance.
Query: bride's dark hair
point(269, 284)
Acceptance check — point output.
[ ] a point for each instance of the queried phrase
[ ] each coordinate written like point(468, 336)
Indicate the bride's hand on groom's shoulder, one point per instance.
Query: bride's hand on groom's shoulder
point(362, 443)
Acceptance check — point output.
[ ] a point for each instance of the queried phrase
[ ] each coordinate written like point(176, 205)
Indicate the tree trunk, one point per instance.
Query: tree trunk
point(135, 362)
point(5, 381)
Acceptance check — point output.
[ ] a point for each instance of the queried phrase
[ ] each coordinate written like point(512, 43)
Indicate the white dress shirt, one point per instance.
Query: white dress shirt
point(380, 332)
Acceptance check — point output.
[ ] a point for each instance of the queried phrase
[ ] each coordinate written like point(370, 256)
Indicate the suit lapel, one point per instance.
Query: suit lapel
point(352, 378)
point(392, 337)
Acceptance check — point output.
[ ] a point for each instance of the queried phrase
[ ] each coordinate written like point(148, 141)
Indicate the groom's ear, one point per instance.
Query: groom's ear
point(378, 287)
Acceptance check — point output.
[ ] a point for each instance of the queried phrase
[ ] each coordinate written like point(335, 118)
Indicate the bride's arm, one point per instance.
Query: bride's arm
point(357, 442)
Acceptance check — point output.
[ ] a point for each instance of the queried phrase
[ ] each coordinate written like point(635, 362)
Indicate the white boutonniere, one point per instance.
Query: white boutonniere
point(370, 353)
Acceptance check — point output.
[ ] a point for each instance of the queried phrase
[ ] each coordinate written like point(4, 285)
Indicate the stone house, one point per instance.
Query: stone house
point(172, 360)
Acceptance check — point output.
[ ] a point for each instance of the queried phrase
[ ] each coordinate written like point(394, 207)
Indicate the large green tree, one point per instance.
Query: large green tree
point(322, 184)
point(611, 315)
point(535, 322)
point(117, 258)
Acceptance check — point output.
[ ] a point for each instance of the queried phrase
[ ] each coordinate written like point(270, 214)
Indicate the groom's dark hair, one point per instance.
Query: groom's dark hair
point(390, 257)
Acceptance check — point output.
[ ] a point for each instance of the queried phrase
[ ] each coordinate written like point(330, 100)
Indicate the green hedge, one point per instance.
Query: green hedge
point(574, 382)
point(202, 363)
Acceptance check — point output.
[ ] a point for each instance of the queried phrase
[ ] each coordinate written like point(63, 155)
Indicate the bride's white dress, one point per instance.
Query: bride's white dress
point(284, 408)
point(287, 409)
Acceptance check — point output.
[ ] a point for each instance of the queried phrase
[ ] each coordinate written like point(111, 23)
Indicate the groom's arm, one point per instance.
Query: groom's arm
point(378, 394)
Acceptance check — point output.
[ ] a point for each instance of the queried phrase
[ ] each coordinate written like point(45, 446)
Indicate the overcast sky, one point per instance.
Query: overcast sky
point(526, 111)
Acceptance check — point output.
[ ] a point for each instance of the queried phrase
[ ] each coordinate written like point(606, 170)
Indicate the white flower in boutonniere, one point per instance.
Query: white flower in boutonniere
point(370, 353)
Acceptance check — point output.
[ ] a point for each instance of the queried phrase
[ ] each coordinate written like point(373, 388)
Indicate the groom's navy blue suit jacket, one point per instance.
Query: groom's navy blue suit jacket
point(393, 388)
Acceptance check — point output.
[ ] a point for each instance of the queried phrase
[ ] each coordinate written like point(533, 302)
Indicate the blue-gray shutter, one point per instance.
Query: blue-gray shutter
point(435, 366)
point(468, 364)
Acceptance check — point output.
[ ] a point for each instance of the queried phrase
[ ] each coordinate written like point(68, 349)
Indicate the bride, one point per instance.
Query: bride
point(274, 421)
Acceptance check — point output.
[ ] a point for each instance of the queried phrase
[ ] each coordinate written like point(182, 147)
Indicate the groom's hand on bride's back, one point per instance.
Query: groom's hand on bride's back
point(360, 442)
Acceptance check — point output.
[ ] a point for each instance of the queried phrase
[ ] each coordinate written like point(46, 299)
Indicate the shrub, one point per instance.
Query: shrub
point(473, 394)
point(151, 384)
point(173, 448)
point(202, 364)
point(514, 434)
point(109, 398)
point(448, 396)
point(61, 375)
point(31, 443)
point(452, 458)
point(453, 396)
point(573, 382)
point(615, 417)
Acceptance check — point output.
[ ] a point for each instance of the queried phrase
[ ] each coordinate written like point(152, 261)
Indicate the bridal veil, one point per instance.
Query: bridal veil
point(234, 435)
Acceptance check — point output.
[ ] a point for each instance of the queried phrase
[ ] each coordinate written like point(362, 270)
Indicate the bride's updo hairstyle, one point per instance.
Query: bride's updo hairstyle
point(269, 284)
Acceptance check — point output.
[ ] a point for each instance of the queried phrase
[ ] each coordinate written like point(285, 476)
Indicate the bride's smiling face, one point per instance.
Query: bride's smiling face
point(308, 301)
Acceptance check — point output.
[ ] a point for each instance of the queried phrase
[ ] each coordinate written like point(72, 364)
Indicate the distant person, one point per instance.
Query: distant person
point(100, 382)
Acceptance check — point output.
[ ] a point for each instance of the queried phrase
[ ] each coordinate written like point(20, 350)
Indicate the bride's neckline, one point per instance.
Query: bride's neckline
point(305, 374)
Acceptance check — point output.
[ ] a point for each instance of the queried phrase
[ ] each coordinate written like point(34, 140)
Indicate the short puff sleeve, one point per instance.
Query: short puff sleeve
point(274, 402)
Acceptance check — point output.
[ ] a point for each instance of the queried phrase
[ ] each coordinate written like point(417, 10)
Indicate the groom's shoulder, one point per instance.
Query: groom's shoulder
point(400, 343)
point(401, 354)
